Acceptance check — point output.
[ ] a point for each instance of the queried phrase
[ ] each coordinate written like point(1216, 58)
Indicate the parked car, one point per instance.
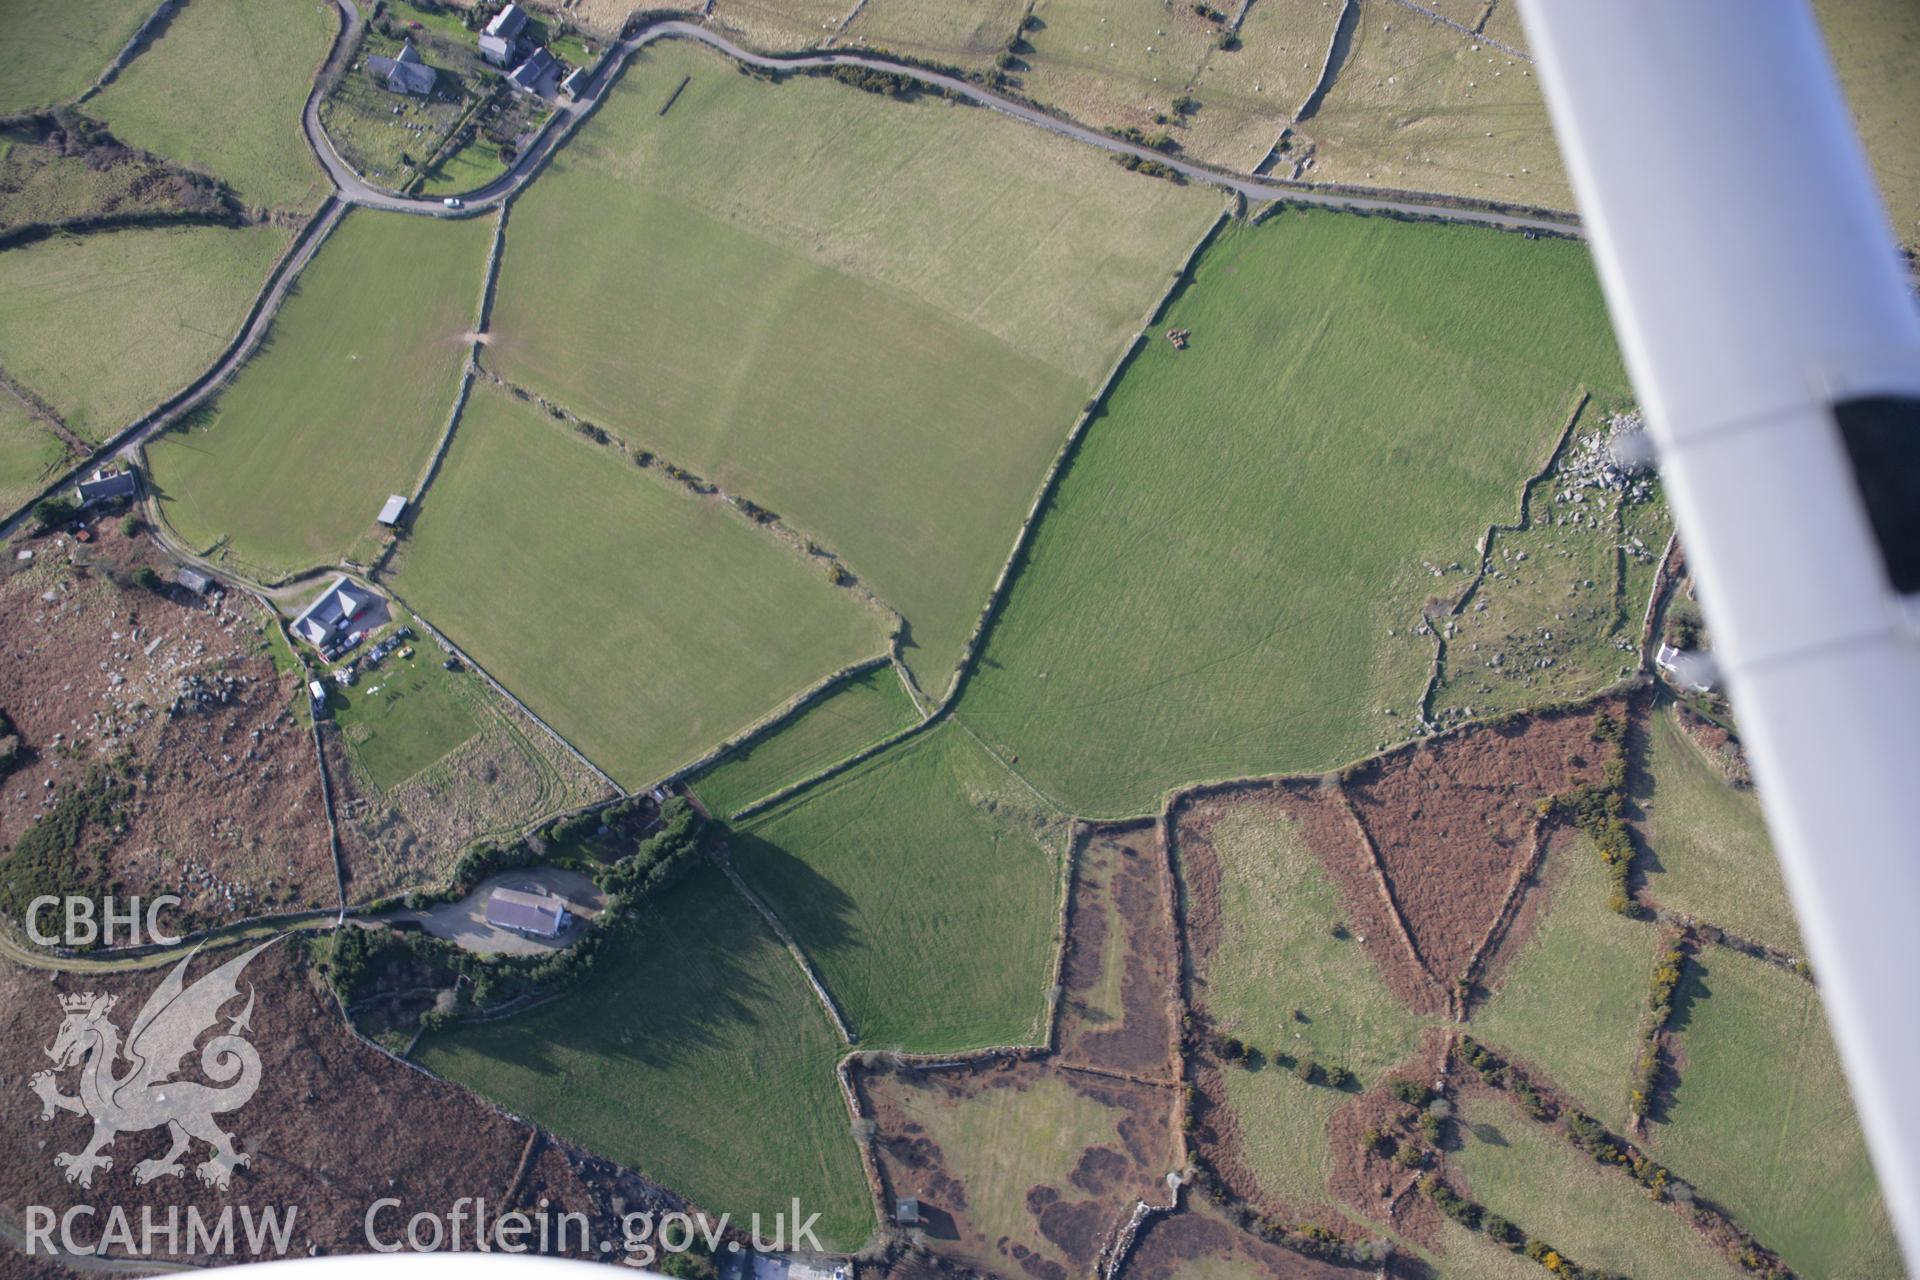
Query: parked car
point(454, 202)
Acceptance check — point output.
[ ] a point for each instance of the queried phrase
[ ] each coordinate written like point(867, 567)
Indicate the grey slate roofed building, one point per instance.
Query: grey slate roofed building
point(194, 581)
point(497, 50)
point(101, 487)
point(330, 615)
point(540, 914)
point(404, 73)
point(508, 23)
point(528, 75)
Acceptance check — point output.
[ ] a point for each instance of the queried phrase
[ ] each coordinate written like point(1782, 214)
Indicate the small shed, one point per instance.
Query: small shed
point(575, 83)
point(194, 581)
point(391, 513)
point(906, 1211)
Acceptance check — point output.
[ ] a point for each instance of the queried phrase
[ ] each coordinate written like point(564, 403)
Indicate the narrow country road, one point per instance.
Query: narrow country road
point(568, 116)
point(350, 189)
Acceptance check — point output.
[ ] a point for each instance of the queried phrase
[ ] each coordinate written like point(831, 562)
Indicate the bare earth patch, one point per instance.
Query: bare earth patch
point(1072, 1205)
point(326, 1134)
point(177, 695)
point(1453, 820)
point(1120, 972)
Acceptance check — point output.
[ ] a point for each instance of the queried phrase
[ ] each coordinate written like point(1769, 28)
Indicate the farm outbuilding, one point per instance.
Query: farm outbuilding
point(390, 513)
point(194, 581)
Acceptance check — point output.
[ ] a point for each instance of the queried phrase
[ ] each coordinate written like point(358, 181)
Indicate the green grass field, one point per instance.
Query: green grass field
point(645, 624)
point(857, 714)
point(340, 407)
point(1874, 44)
point(403, 717)
point(180, 99)
point(1113, 64)
point(1229, 577)
point(1416, 105)
point(1572, 997)
point(1597, 1216)
point(924, 884)
point(30, 455)
point(1711, 855)
point(466, 168)
point(55, 48)
point(695, 1055)
point(44, 182)
point(1247, 94)
point(1277, 953)
point(999, 1142)
point(877, 319)
point(1761, 1121)
point(956, 35)
point(1565, 593)
point(104, 327)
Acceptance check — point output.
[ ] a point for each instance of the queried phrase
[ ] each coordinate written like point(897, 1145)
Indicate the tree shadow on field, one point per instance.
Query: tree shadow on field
point(681, 985)
point(822, 915)
point(1692, 989)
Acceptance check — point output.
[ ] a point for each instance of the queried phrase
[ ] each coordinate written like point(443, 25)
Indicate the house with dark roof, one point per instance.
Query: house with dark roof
point(528, 75)
point(104, 487)
point(508, 23)
point(331, 617)
point(500, 42)
point(406, 72)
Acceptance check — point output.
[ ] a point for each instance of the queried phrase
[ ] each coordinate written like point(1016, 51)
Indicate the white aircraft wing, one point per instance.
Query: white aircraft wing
point(1772, 334)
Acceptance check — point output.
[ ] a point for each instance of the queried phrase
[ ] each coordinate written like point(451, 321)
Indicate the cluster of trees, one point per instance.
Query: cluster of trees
point(1152, 168)
point(51, 513)
point(1496, 1072)
point(12, 754)
point(1599, 810)
point(1500, 1231)
point(754, 511)
point(62, 852)
point(1306, 1238)
point(872, 80)
point(1233, 1049)
point(687, 478)
point(1161, 141)
point(1475, 1217)
point(1666, 978)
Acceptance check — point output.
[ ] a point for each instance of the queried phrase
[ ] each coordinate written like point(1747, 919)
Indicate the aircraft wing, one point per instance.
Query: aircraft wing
point(1771, 332)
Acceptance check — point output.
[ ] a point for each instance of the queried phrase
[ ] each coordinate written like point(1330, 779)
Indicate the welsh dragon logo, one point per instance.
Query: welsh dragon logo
point(128, 1087)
